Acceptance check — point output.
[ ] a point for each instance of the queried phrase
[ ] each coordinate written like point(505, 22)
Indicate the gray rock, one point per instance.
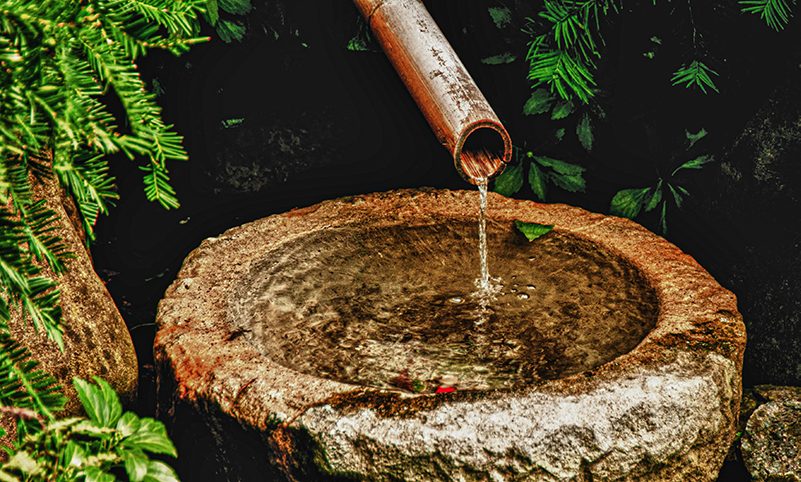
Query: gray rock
point(771, 445)
point(664, 411)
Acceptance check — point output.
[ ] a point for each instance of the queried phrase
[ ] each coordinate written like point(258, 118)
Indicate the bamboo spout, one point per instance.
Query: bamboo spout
point(450, 100)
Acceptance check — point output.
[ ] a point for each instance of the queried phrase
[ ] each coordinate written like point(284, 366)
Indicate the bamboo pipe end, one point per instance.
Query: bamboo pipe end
point(482, 150)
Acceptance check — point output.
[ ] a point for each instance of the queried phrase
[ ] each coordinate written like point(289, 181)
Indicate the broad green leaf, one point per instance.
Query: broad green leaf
point(697, 163)
point(501, 16)
point(539, 102)
point(504, 58)
point(536, 180)
point(533, 231)
point(94, 474)
point(655, 197)
point(562, 109)
point(136, 465)
point(151, 436)
point(509, 181)
point(128, 424)
point(560, 167)
point(695, 137)
point(628, 202)
point(584, 132)
point(100, 402)
point(23, 462)
point(73, 455)
point(160, 472)
point(569, 182)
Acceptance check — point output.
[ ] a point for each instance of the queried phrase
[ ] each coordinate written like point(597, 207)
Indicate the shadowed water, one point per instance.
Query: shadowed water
point(373, 306)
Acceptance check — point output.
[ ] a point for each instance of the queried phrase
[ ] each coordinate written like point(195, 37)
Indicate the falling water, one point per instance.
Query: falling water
point(484, 281)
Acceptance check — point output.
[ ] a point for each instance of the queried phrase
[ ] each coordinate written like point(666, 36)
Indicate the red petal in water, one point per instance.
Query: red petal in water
point(445, 390)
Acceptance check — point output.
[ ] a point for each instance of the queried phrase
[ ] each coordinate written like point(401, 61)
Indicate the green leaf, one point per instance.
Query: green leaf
point(536, 180)
point(100, 402)
point(151, 436)
point(775, 13)
point(128, 424)
point(160, 472)
point(212, 12)
point(136, 465)
point(501, 16)
point(235, 7)
point(558, 166)
point(697, 163)
point(94, 474)
point(678, 198)
point(559, 134)
point(628, 202)
point(533, 231)
point(695, 137)
point(584, 132)
point(663, 218)
point(230, 31)
point(539, 102)
point(655, 197)
point(23, 462)
point(562, 109)
point(696, 74)
point(504, 58)
point(509, 181)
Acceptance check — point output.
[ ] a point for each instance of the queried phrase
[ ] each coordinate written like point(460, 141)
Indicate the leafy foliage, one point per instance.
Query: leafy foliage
point(542, 170)
point(563, 56)
point(98, 448)
point(696, 74)
point(775, 13)
point(630, 203)
point(62, 65)
point(221, 15)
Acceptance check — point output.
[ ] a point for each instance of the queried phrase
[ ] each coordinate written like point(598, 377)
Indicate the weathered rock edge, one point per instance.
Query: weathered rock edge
point(666, 411)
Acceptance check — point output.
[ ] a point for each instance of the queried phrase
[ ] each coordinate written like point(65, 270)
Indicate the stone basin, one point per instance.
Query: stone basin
point(343, 341)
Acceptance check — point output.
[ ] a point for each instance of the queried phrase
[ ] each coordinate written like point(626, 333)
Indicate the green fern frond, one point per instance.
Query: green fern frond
point(23, 384)
point(775, 13)
point(696, 74)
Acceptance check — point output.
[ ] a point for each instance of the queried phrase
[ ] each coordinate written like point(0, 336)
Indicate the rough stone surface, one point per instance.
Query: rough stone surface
point(771, 444)
point(666, 411)
point(96, 339)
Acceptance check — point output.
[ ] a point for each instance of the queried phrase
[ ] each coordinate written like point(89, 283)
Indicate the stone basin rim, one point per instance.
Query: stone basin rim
point(213, 362)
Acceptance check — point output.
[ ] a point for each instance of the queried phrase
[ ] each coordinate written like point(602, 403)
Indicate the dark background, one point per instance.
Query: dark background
point(319, 121)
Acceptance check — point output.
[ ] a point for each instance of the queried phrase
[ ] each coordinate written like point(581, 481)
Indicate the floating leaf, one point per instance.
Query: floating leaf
point(562, 109)
point(584, 132)
point(533, 231)
point(559, 134)
point(628, 202)
point(504, 58)
point(509, 181)
point(539, 102)
point(501, 16)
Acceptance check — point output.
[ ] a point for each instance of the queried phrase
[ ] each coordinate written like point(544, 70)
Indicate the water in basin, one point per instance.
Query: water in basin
point(396, 306)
